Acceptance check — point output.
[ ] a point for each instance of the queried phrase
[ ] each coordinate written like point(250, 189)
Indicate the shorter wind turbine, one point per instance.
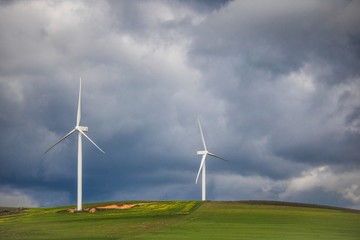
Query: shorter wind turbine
point(204, 153)
point(81, 131)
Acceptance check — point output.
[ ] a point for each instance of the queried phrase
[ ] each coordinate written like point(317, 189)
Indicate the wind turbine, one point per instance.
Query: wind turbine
point(204, 153)
point(81, 131)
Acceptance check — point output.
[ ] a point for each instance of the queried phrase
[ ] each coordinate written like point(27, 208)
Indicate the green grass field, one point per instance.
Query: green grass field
point(185, 220)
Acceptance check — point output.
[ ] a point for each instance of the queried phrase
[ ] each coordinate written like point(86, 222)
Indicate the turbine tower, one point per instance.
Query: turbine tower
point(80, 131)
point(204, 153)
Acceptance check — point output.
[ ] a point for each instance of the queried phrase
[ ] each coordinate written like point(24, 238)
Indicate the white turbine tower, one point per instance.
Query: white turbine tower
point(81, 131)
point(204, 153)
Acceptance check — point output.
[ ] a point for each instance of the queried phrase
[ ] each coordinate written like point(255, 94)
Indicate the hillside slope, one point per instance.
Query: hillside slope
point(185, 220)
point(264, 220)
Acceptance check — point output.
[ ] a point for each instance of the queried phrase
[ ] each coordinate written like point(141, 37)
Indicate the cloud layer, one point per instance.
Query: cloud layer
point(276, 85)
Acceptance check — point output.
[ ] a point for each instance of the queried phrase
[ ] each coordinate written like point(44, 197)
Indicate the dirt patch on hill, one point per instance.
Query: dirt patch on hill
point(122, 206)
point(116, 206)
point(111, 206)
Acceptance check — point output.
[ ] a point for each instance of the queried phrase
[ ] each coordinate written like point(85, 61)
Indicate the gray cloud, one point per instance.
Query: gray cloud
point(276, 85)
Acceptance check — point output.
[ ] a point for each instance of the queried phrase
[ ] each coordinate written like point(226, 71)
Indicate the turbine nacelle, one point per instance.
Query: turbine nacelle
point(82, 128)
point(201, 152)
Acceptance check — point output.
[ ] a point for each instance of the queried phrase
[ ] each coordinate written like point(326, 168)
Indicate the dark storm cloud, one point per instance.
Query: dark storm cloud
point(288, 75)
point(256, 47)
point(206, 5)
point(276, 85)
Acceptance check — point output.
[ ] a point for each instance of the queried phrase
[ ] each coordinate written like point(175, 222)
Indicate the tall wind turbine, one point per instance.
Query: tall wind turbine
point(204, 153)
point(81, 131)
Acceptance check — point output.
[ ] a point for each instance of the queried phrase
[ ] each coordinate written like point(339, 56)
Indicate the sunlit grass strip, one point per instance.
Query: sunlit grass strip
point(234, 220)
point(186, 220)
point(56, 223)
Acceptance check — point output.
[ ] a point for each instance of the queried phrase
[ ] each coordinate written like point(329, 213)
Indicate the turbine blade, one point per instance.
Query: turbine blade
point(71, 132)
point(90, 140)
point(78, 115)
point(201, 166)
point(202, 135)
point(213, 155)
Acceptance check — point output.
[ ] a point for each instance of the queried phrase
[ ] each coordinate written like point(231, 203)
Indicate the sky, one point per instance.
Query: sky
point(276, 85)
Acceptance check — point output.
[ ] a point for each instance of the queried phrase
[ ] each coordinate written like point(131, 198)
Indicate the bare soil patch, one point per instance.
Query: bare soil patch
point(122, 206)
point(111, 206)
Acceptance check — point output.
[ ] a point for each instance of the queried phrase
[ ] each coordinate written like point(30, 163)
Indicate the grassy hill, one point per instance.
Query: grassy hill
point(184, 220)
